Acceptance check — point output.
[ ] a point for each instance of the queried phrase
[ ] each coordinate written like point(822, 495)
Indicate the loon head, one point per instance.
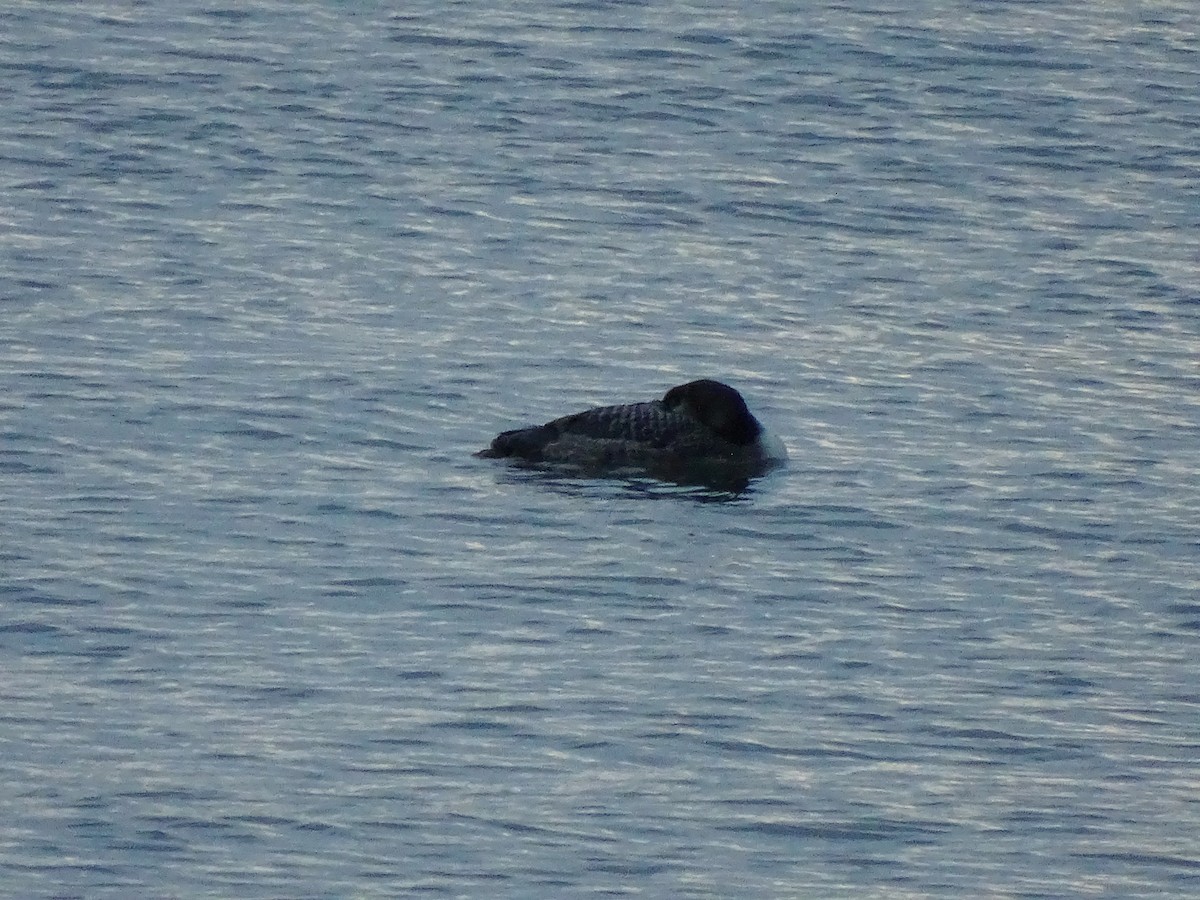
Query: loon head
point(718, 407)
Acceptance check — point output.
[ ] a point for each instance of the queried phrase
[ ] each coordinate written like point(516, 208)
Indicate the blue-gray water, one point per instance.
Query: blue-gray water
point(270, 273)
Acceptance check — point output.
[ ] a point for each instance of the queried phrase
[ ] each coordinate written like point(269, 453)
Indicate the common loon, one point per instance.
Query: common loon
point(703, 423)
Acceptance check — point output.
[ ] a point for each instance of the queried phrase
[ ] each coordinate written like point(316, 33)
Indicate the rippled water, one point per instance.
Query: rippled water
point(271, 272)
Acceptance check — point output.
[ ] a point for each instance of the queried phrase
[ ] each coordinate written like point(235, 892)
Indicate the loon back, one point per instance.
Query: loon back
point(649, 426)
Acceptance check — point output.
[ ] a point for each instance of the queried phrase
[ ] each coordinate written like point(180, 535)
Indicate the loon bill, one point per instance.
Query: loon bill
point(701, 423)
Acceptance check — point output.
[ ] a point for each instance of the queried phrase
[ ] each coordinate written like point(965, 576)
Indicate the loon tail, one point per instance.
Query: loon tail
point(526, 443)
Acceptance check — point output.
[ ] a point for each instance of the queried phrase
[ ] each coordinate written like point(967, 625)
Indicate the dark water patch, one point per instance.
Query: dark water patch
point(909, 833)
point(31, 628)
point(367, 582)
point(754, 748)
point(1153, 860)
point(34, 597)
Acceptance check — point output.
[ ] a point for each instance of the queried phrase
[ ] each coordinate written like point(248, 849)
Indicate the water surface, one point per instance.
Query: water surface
point(270, 274)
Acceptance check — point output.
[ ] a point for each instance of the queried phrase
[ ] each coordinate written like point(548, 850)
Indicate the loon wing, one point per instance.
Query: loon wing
point(650, 423)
